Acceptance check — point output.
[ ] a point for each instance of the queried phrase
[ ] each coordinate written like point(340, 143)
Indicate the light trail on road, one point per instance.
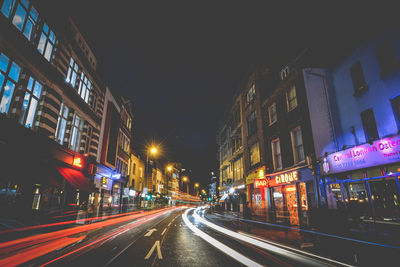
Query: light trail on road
point(225, 249)
point(25, 249)
point(280, 249)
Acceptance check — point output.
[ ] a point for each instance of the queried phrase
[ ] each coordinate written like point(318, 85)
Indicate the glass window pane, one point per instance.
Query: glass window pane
point(14, 72)
point(19, 17)
point(42, 43)
point(61, 131)
point(30, 83)
point(25, 3)
point(34, 14)
point(31, 113)
point(24, 107)
point(28, 29)
point(46, 29)
point(3, 62)
point(73, 79)
point(1, 80)
point(65, 114)
point(7, 95)
point(7, 7)
point(385, 197)
point(37, 90)
point(49, 50)
point(52, 37)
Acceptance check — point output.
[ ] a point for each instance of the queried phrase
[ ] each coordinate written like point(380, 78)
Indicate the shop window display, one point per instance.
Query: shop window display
point(356, 197)
point(291, 204)
point(385, 199)
point(334, 196)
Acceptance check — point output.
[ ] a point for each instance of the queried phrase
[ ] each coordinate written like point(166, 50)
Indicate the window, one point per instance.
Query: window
point(235, 118)
point(29, 105)
point(9, 76)
point(77, 126)
point(84, 87)
point(62, 122)
point(254, 154)
point(124, 142)
point(134, 168)
point(252, 123)
point(24, 17)
point(386, 57)
point(122, 167)
point(291, 98)
point(238, 169)
point(276, 154)
point(272, 116)
point(251, 94)
point(46, 42)
point(141, 172)
point(358, 78)
point(237, 141)
point(297, 145)
point(72, 72)
point(396, 109)
point(369, 125)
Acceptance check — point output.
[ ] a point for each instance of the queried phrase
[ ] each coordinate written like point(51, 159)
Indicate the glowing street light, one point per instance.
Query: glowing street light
point(169, 168)
point(184, 178)
point(196, 185)
point(153, 150)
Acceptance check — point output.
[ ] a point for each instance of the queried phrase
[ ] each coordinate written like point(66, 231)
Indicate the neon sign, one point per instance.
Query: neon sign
point(284, 178)
point(77, 162)
point(260, 183)
point(383, 151)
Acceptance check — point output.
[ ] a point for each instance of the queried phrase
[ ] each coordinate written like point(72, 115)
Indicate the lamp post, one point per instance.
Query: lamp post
point(196, 187)
point(153, 151)
point(169, 170)
point(185, 179)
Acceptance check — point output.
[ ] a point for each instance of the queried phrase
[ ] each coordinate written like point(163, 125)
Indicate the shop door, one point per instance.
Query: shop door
point(303, 203)
point(356, 197)
point(278, 204)
point(291, 204)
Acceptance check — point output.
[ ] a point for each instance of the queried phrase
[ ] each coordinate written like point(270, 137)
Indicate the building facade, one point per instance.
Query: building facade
point(361, 175)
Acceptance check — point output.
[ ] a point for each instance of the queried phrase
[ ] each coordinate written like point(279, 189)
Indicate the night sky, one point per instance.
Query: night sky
point(180, 63)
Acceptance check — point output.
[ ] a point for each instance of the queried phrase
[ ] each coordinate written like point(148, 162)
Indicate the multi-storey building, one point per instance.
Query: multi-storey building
point(361, 172)
point(49, 85)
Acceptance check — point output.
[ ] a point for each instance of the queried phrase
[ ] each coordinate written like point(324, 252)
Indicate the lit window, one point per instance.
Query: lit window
point(62, 122)
point(252, 123)
point(251, 94)
point(238, 168)
point(272, 116)
point(297, 143)
point(276, 154)
point(22, 14)
point(77, 125)
point(9, 75)
point(29, 105)
point(72, 72)
point(84, 87)
point(46, 42)
point(291, 98)
point(254, 154)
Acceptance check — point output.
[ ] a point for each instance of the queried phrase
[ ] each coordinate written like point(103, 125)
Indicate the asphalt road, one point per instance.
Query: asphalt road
point(165, 237)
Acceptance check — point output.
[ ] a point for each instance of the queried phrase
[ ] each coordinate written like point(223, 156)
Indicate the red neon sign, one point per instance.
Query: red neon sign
point(260, 183)
point(77, 162)
point(284, 178)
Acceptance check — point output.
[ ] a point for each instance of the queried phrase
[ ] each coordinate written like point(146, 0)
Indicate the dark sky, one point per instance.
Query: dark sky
point(181, 62)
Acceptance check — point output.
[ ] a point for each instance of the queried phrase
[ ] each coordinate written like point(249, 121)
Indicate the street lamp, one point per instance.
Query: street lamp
point(153, 151)
point(185, 179)
point(169, 169)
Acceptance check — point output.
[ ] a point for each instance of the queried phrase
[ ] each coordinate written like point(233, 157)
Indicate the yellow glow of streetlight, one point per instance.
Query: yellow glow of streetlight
point(153, 150)
point(196, 184)
point(169, 168)
point(184, 178)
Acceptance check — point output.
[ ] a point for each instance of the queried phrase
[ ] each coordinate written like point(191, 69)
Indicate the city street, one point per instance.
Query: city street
point(170, 237)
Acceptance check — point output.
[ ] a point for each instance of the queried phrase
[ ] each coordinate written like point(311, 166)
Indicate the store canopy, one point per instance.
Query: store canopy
point(75, 178)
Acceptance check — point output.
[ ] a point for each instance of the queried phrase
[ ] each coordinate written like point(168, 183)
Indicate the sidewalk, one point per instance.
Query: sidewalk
point(341, 246)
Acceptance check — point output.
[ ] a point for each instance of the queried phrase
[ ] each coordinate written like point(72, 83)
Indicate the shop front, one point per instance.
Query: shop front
point(286, 196)
point(363, 182)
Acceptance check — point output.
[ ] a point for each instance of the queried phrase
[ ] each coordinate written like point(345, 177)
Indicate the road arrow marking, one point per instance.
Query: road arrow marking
point(156, 244)
point(150, 232)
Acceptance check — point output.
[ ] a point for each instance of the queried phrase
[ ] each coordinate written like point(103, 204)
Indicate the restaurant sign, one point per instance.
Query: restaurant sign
point(380, 152)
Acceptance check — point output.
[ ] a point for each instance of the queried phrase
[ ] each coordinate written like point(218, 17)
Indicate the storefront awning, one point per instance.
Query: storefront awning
point(75, 178)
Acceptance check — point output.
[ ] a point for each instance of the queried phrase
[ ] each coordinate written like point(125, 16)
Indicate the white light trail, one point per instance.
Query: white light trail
point(225, 249)
point(271, 246)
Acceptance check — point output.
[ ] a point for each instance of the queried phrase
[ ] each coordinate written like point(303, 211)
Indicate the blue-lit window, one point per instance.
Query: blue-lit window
point(84, 87)
point(22, 14)
point(62, 123)
point(72, 72)
point(77, 127)
point(47, 42)
point(30, 103)
point(9, 75)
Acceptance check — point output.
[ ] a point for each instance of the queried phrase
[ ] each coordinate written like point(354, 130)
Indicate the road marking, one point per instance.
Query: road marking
point(156, 244)
point(165, 229)
point(170, 223)
point(150, 232)
point(225, 249)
